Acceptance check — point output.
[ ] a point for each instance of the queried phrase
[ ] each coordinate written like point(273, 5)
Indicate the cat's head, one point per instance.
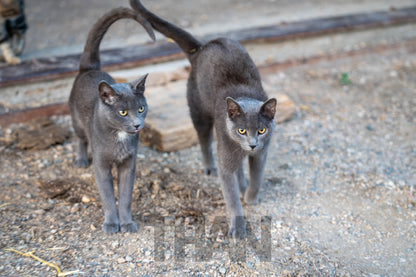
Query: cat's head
point(250, 122)
point(124, 106)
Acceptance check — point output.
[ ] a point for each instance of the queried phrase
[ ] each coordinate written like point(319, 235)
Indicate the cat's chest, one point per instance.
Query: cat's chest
point(118, 149)
point(124, 148)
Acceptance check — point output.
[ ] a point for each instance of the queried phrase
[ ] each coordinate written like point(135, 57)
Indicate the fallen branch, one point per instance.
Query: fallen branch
point(31, 255)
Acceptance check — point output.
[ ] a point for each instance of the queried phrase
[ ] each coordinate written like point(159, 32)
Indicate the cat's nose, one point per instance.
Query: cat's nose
point(137, 126)
point(252, 146)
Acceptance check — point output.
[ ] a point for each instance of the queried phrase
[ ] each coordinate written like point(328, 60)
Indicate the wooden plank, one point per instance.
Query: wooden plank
point(56, 67)
point(22, 116)
point(169, 126)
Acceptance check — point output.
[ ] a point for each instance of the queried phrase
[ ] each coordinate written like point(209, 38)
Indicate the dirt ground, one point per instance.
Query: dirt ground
point(339, 190)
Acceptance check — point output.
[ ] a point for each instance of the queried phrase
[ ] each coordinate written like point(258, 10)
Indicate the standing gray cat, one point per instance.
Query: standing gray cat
point(225, 92)
point(109, 116)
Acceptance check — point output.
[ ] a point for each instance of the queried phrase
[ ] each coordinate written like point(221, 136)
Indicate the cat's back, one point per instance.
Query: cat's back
point(225, 61)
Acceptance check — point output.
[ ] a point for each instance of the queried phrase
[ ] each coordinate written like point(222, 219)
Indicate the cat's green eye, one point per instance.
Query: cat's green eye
point(262, 131)
point(242, 131)
point(123, 113)
point(141, 109)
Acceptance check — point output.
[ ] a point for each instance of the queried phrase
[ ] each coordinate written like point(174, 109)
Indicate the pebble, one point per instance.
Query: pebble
point(75, 208)
point(223, 270)
point(121, 260)
point(85, 199)
point(128, 259)
point(370, 127)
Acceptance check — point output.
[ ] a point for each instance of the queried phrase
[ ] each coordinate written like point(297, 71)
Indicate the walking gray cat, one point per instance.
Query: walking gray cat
point(225, 92)
point(108, 117)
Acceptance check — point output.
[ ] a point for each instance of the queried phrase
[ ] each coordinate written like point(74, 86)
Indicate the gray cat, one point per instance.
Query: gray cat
point(109, 116)
point(225, 92)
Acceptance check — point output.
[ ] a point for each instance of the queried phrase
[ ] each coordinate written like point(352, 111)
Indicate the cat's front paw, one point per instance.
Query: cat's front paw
point(129, 227)
point(238, 228)
point(81, 163)
point(251, 199)
point(111, 228)
point(211, 171)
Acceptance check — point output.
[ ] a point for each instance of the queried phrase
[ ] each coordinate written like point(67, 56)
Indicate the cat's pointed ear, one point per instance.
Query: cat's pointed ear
point(139, 85)
point(233, 108)
point(268, 109)
point(107, 93)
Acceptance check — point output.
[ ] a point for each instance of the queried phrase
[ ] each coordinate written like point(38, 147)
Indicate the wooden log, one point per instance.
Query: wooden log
point(57, 67)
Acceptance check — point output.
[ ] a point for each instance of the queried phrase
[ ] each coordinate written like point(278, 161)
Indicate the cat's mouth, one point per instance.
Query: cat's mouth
point(133, 132)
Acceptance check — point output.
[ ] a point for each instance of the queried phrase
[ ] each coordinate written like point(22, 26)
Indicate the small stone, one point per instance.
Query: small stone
point(121, 260)
point(93, 228)
point(75, 208)
point(85, 199)
point(128, 259)
point(370, 127)
point(250, 265)
point(223, 270)
point(115, 244)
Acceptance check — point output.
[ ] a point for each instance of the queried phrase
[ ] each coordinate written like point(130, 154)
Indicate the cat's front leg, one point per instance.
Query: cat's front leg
point(126, 177)
point(257, 164)
point(104, 180)
point(231, 193)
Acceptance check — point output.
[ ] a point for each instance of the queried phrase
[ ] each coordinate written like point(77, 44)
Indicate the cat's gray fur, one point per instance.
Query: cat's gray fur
point(225, 92)
point(95, 104)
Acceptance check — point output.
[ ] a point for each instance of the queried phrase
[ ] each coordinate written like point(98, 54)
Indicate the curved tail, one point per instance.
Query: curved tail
point(185, 40)
point(90, 58)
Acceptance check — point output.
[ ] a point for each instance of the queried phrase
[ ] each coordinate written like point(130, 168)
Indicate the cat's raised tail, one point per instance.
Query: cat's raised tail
point(90, 58)
point(188, 43)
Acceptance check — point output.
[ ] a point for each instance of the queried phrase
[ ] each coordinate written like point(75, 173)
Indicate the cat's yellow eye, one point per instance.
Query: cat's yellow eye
point(141, 109)
point(123, 113)
point(242, 131)
point(262, 131)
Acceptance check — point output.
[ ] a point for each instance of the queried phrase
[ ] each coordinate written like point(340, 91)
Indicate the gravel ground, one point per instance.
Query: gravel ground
point(339, 190)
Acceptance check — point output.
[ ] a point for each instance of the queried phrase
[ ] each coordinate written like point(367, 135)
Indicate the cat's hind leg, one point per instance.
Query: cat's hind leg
point(242, 180)
point(203, 125)
point(82, 153)
point(204, 128)
point(81, 159)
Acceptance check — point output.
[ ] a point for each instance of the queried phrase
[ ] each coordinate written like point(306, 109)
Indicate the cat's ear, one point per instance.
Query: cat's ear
point(268, 109)
point(139, 85)
point(107, 93)
point(233, 108)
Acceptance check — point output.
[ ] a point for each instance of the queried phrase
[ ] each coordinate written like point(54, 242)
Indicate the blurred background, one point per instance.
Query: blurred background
point(58, 27)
